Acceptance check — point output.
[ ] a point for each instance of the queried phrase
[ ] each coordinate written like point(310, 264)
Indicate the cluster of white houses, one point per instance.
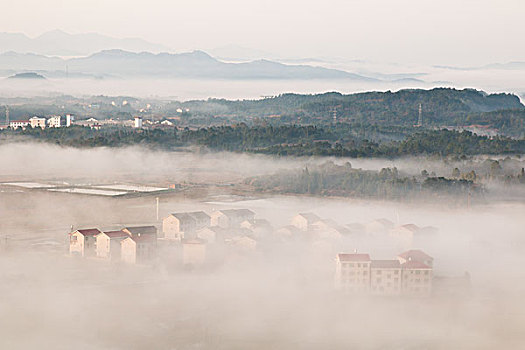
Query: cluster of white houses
point(41, 122)
point(409, 274)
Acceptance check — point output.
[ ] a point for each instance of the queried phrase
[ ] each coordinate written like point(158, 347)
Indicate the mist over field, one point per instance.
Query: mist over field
point(262, 175)
point(279, 297)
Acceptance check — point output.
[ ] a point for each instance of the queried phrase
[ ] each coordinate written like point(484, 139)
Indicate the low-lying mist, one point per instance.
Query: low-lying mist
point(280, 296)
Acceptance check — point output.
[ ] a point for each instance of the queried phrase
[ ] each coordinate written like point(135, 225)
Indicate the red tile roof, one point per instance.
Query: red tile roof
point(415, 254)
point(116, 234)
point(354, 257)
point(90, 231)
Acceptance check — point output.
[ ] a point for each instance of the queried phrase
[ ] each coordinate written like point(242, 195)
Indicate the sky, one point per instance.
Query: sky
point(406, 31)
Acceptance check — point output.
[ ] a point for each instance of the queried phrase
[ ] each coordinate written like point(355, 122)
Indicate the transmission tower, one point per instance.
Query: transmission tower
point(420, 117)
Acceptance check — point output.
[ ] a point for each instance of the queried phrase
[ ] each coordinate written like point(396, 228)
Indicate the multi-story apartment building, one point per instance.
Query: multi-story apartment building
point(411, 274)
point(353, 272)
point(54, 121)
point(37, 122)
point(385, 277)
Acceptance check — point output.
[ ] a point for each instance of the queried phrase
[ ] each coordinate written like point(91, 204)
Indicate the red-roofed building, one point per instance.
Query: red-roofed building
point(83, 242)
point(417, 278)
point(416, 255)
point(353, 272)
point(139, 248)
point(108, 244)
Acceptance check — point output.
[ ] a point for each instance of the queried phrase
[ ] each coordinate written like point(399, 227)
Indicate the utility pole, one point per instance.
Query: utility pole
point(157, 208)
point(7, 116)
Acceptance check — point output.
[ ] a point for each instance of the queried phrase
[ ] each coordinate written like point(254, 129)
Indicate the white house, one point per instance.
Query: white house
point(54, 122)
point(231, 218)
point(138, 122)
point(69, 120)
point(83, 242)
point(303, 221)
point(176, 225)
point(181, 225)
point(213, 234)
point(139, 248)
point(108, 244)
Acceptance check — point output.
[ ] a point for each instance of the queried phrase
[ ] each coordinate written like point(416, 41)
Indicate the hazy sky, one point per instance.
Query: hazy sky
point(429, 31)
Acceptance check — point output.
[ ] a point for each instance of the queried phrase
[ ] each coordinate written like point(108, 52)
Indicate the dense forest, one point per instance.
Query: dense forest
point(339, 140)
point(330, 179)
point(440, 107)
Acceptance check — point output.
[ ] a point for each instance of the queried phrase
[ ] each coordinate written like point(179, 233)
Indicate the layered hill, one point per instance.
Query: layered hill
point(195, 65)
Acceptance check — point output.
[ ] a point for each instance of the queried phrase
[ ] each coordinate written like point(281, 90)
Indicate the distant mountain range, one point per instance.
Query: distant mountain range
point(59, 43)
point(196, 65)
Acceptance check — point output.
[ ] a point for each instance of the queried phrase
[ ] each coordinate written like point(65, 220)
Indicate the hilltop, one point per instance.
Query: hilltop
point(28, 75)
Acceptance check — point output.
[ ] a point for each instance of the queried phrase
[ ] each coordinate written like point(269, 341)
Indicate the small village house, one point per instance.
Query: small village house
point(139, 248)
point(213, 234)
point(304, 221)
point(231, 218)
point(108, 244)
point(176, 225)
point(83, 242)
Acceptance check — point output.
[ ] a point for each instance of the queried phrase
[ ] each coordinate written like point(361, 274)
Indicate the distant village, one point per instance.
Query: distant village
point(58, 121)
point(207, 239)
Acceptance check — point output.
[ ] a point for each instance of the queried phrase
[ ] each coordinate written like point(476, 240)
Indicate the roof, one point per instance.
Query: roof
point(353, 257)
point(412, 264)
point(183, 216)
point(291, 228)
point(89, 231)
point(143, 238)
point(116, 234)
point(382, 221)
point(385, 264)
point(415, 254)
point(410, 227)
point(261, 223)
point(144, 230)
point(200, 215)
point(237, 212)
point(216, 229)
point(310, 217)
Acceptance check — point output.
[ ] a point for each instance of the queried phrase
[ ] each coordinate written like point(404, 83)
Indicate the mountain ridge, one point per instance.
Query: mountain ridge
point(194, 64)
